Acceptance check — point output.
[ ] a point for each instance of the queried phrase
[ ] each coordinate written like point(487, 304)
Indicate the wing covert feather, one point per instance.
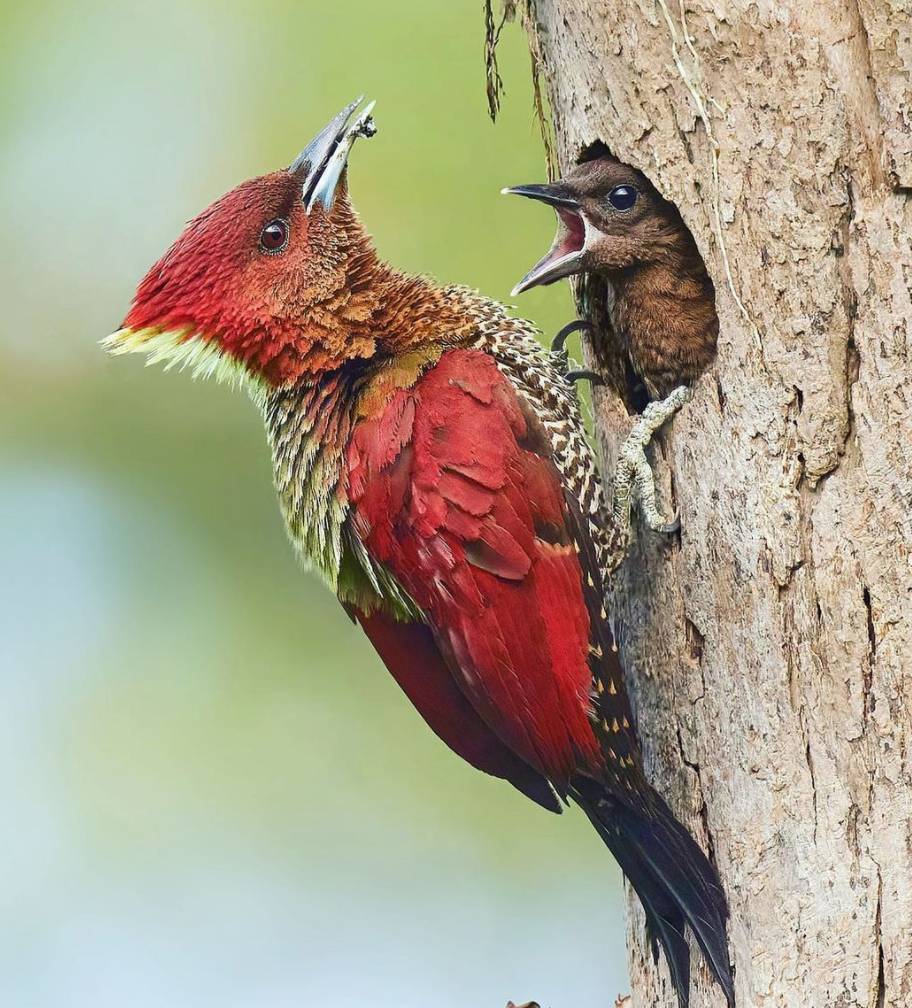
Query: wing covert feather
point(453, 493)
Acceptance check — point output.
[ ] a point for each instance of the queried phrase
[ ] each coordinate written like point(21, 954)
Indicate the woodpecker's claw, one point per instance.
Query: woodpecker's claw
point(673, 527)
point(633, 469)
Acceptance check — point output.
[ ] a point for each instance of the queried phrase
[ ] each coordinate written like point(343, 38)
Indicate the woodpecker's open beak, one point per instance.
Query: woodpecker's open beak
point(322, 162)
point(565, 256)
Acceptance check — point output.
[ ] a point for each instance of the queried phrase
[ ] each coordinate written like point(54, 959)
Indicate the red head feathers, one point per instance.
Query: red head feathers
point(267, 282)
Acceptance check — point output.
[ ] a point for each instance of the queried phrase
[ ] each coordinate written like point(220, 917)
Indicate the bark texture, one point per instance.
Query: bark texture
point(770, 651)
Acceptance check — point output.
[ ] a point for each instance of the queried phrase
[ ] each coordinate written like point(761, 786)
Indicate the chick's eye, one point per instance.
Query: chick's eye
point(274, 237)
point(622, 197)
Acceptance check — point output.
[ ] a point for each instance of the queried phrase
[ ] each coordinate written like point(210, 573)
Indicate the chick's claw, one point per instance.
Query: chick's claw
point(558, 344)
point(559, 352)
point(584, 375)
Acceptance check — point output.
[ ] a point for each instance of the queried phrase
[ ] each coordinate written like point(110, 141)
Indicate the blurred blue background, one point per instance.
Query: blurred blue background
point(213, 793)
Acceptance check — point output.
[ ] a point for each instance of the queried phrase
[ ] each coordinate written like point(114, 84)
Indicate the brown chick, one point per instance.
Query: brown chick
point(661, 303)
point(612, 221)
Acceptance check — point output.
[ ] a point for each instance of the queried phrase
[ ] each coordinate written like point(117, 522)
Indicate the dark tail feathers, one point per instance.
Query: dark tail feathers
point(673, 878)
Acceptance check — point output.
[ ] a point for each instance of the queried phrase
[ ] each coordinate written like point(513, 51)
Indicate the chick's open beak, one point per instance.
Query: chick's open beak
point(565, 256)
point(322, 162)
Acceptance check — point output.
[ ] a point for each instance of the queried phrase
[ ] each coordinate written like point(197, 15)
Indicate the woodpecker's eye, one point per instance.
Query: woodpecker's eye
point(274, 237)
point(622, 197)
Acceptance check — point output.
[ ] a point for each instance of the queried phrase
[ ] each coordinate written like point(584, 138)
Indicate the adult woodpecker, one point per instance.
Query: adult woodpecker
point(661, 304)
point(432, 466)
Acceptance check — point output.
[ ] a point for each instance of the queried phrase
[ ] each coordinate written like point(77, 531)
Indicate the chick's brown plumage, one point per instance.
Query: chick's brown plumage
point(613, 224)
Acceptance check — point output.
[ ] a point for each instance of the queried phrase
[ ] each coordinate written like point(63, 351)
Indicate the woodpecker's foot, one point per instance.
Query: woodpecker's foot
point(634, 472)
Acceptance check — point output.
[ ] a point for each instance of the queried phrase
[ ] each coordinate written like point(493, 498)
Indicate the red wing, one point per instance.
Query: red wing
point(408, 650)
point(450, 495)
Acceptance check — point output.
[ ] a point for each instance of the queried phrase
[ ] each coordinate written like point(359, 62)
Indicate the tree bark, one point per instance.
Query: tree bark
point(770, 652)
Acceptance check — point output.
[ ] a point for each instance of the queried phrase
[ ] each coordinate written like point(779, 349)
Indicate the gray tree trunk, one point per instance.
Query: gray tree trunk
point(771, 654)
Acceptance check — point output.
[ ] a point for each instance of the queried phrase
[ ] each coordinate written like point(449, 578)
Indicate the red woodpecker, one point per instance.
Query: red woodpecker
point(432, 467)
point(661, 303)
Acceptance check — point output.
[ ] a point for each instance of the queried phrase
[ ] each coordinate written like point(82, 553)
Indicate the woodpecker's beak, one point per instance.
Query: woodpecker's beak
point(565, 257)
point(322, 162)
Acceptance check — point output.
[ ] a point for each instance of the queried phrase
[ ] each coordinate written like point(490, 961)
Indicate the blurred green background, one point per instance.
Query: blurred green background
point(214, 794)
